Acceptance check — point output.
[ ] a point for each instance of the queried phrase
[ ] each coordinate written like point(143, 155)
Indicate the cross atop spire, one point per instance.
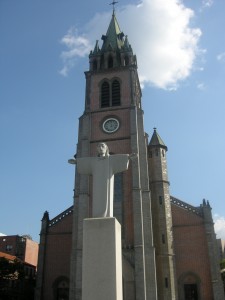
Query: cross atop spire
point(113, 4)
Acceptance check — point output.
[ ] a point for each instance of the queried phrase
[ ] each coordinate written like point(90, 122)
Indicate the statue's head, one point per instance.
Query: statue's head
point(103, 149)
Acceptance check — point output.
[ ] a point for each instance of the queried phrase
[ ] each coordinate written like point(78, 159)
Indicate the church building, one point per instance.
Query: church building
point(169, 248)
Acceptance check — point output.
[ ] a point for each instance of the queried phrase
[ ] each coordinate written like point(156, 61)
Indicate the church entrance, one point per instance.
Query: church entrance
point(62, 294)
point(190, 292)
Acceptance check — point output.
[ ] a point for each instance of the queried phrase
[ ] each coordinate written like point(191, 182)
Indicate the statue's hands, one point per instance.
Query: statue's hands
point(73, 161)
point(132, 156)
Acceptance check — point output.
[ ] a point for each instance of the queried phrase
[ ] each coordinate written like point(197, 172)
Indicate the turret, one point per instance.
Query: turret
point(161, 217)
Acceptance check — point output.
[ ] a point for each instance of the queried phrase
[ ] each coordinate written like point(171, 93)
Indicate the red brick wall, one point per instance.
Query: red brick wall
point(28, 253)
point(31, 252)
point(123, 116)
point(10, 240)
point(123, 75)
point(190, 245)
point(58, 251)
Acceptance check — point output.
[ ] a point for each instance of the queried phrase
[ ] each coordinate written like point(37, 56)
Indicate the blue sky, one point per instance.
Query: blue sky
point(180, 49)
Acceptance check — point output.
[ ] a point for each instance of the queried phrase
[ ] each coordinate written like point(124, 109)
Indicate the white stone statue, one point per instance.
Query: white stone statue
point(102, 168)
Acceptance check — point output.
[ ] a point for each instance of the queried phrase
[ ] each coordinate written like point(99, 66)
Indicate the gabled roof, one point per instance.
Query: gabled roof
point(60, 217)
point(188, 207)
point(156, 140)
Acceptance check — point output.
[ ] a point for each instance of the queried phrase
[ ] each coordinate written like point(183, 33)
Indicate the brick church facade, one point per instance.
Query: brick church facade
point(169, 247)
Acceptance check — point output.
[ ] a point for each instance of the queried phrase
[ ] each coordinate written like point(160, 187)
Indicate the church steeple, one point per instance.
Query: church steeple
point(113, 115)
point(115, 51)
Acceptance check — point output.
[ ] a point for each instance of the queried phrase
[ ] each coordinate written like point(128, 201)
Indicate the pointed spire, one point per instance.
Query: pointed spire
point(157, 141)
point(45, 216)
point(114, 36)
point(127, 46)
point(96, 49)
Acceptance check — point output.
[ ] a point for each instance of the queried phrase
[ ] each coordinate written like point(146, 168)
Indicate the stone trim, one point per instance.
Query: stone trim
point(61, 216)
point(186, 206)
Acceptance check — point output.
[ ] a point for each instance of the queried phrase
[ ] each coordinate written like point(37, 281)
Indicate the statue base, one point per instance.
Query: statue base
point(102, 260)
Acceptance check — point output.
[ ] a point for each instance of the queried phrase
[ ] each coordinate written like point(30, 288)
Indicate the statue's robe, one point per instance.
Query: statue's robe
point(103, 169)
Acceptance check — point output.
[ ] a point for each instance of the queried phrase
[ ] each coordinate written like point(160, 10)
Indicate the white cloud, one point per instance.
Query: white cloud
point(219, 225)
point(207, 3)
point(2, 234)
point(221, 57)
point(77, 46)
point(160, 34)
point(201, 86)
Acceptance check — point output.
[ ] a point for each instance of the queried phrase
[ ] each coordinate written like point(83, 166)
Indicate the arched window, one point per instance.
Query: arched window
point(110, 94)
point(126, 60)
point(110, 62)
point(115, 93)
point(95, 65)
point(102, 62)
point(105, 94)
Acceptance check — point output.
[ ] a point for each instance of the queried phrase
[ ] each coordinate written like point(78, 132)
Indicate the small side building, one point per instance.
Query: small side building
point(23, 247)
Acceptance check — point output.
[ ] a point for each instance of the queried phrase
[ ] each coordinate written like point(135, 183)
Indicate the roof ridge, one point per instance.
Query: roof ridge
point(61, 216)
point(194, 209)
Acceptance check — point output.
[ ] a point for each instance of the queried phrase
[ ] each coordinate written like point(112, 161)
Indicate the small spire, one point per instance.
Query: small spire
point(96, 49)
point(45, 216)
point(156, 140)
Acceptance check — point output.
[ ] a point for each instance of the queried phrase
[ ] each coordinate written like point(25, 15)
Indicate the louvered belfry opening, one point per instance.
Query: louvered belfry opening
point(105, 95)
point(115, 93)
point(110, 95)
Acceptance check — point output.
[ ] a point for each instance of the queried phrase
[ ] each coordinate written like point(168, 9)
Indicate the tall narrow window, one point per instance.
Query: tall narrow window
point(110, 62)
point(118, 198)
point(166, 282)
point(102, 62)
point(115, 93)
point(126, 60)
point(95, 65)
point(105, 95)
point(118, 187)
point(160, 200)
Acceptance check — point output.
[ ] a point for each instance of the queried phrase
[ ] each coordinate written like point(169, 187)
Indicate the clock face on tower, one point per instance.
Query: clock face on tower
point(110, 125)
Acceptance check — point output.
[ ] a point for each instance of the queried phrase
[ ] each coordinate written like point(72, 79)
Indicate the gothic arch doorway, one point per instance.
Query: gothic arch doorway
point(61, 288)
point(189, 286)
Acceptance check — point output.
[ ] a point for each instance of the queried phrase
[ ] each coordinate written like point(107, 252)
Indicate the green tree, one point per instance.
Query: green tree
point(14, 284)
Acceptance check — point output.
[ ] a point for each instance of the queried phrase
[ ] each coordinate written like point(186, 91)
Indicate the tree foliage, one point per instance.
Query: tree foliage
point(12, 281)
point(10, 270)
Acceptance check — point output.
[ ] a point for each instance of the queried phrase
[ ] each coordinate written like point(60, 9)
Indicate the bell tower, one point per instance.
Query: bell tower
point(113, 115)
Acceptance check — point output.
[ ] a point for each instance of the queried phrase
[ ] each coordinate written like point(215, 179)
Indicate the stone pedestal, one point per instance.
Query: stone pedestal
point(102, 260)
